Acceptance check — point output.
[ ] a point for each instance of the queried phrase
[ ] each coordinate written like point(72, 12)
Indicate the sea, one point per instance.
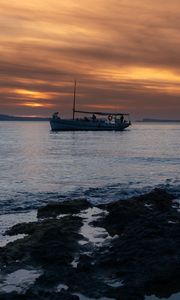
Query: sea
point(38, 166)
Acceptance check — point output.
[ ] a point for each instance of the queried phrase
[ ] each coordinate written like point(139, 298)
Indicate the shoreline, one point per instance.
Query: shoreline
point(120, 250)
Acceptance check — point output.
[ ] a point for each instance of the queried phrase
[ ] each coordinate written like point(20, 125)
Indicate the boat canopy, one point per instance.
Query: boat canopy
point(101, 113)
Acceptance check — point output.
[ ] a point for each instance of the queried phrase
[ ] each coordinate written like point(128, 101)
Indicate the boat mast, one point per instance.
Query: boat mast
point(74, 102)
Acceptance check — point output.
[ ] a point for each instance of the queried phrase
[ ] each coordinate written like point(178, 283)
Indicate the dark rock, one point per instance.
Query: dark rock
point(51, 242)
point(159, 198)
point(148, 247)
point(144, 250)
point(142, 208)
point(39, 295)
point(66, 207)
point(22, 228)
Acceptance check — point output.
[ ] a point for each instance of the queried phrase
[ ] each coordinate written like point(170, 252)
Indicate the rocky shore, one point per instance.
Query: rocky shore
point(122, 250)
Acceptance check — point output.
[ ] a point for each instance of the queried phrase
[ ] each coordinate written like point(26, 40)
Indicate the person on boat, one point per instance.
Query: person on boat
point(56, 115)
point(86, 119)
point(94, 117)
point(122, 118)
point(110, 117)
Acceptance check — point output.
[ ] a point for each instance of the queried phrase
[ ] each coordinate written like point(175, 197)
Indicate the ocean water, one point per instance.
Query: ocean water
point(38, 166)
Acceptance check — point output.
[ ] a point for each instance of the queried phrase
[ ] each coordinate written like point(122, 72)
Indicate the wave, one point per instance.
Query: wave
point(25, 201)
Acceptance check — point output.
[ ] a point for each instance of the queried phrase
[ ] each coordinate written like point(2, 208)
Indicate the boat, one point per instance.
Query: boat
point(92, 121)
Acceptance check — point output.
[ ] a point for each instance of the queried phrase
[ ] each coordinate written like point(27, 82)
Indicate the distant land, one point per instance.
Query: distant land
point(159, 120)
point(14, 118)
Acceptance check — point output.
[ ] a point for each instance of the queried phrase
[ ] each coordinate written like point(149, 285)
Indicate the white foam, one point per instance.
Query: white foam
point(149, 206)
point(92, 234)
point(173, 222)
point(115, 283)
point(75, 262)
point(82, 297)
point(9, 220)
point(172, 297)
point(62, 287)
point(8, 239)
point(19, 281)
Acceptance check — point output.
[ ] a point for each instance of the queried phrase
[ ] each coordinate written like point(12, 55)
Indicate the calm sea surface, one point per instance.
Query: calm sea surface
point(38, 166)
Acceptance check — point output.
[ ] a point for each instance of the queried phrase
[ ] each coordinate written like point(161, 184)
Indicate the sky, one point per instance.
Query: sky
point(124, 54)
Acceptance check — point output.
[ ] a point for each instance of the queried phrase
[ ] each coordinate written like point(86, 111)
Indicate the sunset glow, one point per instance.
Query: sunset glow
point(35, 104)
point(32, 94)
point(146, 74)
point(123, 55)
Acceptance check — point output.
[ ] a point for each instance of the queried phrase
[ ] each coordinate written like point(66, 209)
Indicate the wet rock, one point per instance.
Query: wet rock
point(148, 247)
point(51, 242)
point(66, 207)
point(159, 198)
point(39, 295)
point(143, 250)
point(127, 293)
point(22, 228)
point(143, 209)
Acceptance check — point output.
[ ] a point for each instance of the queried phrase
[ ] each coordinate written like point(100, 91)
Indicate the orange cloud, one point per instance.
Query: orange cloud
point(32, 94)
point(123, 54)
point(36, 104)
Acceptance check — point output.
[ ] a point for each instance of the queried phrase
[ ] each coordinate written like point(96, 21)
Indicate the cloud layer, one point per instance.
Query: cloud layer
point(124, 55)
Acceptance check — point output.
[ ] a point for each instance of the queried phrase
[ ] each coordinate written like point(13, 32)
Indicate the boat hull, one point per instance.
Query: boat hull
point(82, 125)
